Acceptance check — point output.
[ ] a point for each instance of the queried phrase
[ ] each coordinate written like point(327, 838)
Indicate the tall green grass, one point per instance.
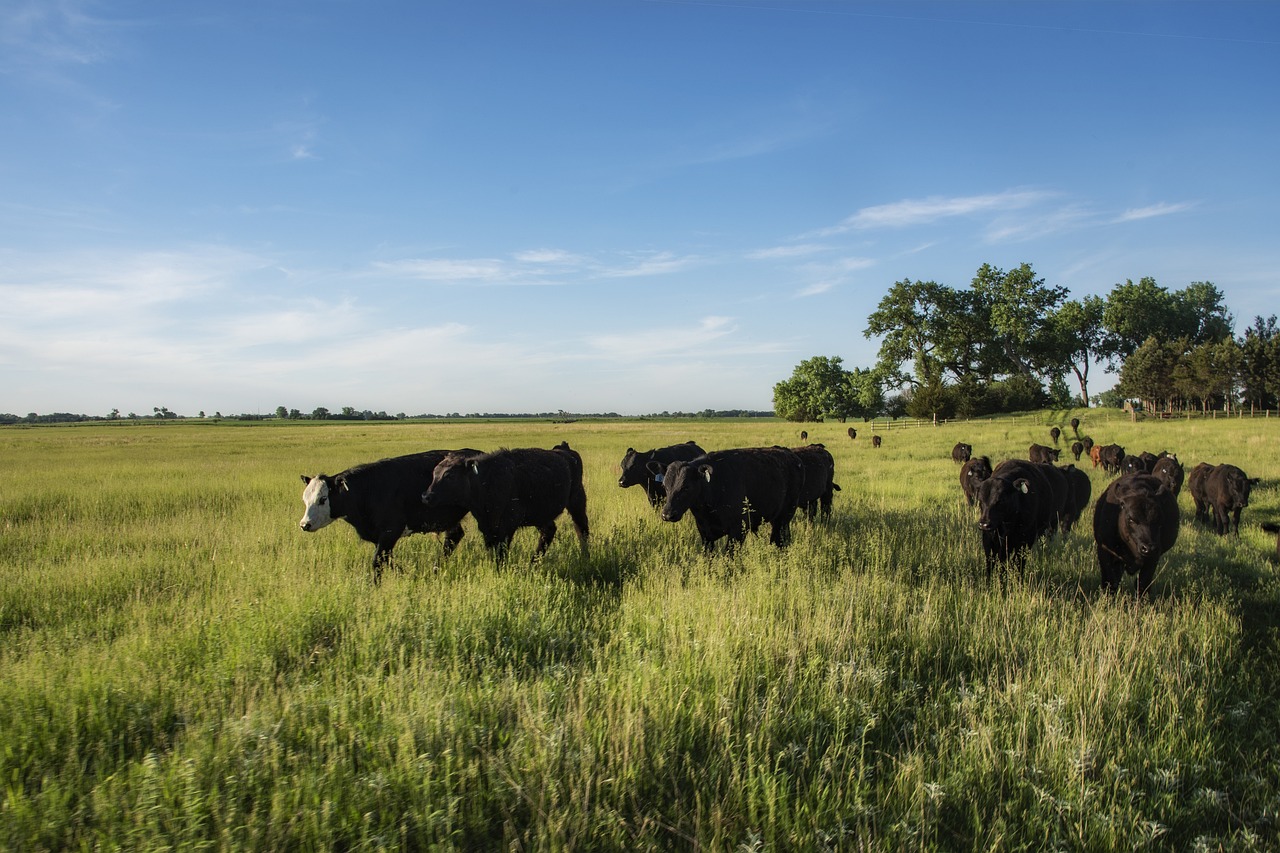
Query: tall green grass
point(182, 667)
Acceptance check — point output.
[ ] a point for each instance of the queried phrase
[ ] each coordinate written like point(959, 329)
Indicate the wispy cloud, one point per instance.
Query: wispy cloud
point(799, 250)
point(1163, 209)
point(654, 263)
point(908, 212)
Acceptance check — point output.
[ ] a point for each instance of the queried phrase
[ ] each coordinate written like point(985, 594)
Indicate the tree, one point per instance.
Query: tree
point(319, 413)
point(818, 388)
point(1147, 374)
point(915, 319)
point(1260, 368)
point(1133, 314)
point(1021, 306)
point(1081, 337)
point(1202, 317)
point(281, 412)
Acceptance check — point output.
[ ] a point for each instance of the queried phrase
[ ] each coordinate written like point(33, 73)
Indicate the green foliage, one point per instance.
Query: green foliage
point(182, 668)
point(821, 388)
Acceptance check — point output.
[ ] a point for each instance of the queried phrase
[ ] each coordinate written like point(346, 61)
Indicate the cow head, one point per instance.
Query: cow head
point(634, 470)
point(318, 498)
point(452, 481)
point(1001, 504)
point(684, 484)
point(1139, 525)
point(978, 469)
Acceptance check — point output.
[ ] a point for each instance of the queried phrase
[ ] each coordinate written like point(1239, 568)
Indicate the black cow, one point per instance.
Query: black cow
point(1055, 434)
point(961, 453)
point(972, 473)
point(635, 468)
point(1273, 527)
point(1132, 464)
point(1017, 506)
point(383, 501)
point(1111, 455)
point(1079, 491)
point(819, 485)
point(804, 435)
point(509, 489)
point(875, 441)
point(1077, 448)
point(1134, 523)
point(1169, 469)
point(1197, 484)
point(728, 491)
point(1060, 492)
point(1227, 488)
point(1041, 453)
point(853, 433)
point(1087, 441)
point(1075, 426)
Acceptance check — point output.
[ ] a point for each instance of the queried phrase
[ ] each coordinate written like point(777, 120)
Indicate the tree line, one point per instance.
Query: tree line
point(1012, 342)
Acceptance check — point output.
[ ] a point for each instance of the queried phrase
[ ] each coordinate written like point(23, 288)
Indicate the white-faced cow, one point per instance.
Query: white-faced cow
point(635, 468)
point(509, 489)
point(731, 491)
point(1135, 522)
point(383, 501)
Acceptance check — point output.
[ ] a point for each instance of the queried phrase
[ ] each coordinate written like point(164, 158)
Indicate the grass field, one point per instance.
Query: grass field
point(182, 667)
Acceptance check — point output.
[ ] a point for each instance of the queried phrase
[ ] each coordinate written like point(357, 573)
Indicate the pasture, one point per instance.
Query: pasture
point(182, 667)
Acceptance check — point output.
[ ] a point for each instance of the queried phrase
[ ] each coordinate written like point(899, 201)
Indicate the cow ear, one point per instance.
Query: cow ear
point(474, 466)
point(306, 479)
point(1023, 486)
point(705, 471)
point(341, 483)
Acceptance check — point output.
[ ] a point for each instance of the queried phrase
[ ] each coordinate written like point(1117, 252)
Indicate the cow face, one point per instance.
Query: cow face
point(317, 498)
point(684, 484)
point(451, 481)
point(1001, 504)
point(1139, 526)
point(634, 472)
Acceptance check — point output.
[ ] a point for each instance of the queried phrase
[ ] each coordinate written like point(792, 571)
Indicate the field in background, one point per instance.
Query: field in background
point(181, 666)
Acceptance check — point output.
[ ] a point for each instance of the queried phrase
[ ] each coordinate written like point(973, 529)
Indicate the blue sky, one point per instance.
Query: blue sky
point(614, 205)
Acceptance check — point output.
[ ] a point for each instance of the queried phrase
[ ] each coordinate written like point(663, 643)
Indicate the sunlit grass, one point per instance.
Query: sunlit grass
point(180, 666)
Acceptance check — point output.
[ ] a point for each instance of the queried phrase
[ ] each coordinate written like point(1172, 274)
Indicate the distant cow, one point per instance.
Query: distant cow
point(728, 491)
point(1055, 433)
point(804, 435)
point(1017, 505)
point(1075, 426)
point(1095, 454)
point(819, 486)
point(1041, 453)
point(1111, 455)
point(875, 441)
point(635, 468)
point(509, 489)
point(853, 433)
point(972, 473)
point(1168, 469)
point(1227, 489)
point(383, 501)
point(1197, 484)
point(1079, 490)
point(1077, 448)
point(1135, 522)
point(962, 452)
point(1087, 441)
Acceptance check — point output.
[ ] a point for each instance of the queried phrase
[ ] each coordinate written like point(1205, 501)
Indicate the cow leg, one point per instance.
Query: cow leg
point(578, 513)
point(1145, 577)
point(382, 554)
point(1235, 521)
point(452, 538)
point(548, 532)
point(1112, 571)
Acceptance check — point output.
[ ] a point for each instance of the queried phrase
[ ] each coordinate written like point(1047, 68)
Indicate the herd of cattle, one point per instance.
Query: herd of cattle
point(732, 492)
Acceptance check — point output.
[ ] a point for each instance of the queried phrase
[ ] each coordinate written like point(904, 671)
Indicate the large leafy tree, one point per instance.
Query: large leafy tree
point(1135, 313)
point(1020, 307)
point(916, 320)
point(1081, 337)
point(821, 388)
point(1148, 373)
point(1260, 368)
point(1202, 315)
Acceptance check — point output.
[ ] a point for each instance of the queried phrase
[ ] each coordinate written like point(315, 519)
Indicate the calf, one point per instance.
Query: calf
point(1135, 522)
point(635, 468)
point(1017, 506)
point(383, 501)
point(819, 485)
point(1168, 469)
point(509, 489)
point(972, 473)
point(728, 491)
point(1111, 455)
point(1227, 489)
point(1043, 454)
point(1095, 454)
point(961, 453)
point(1197, 483)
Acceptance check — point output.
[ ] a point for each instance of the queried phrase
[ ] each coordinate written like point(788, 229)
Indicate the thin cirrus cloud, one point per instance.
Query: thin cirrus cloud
point(922, 211)
point(533, 267)
point(1134, 214)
